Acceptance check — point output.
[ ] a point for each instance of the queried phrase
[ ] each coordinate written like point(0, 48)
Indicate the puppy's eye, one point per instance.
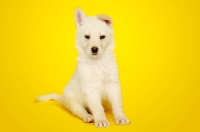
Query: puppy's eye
point(87, 36)
point(102, 36)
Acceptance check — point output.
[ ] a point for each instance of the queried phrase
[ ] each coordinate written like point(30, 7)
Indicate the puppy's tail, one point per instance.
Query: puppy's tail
point(52, 96)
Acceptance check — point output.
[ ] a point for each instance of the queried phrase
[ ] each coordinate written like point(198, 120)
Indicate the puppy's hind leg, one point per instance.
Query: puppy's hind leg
point(78, 110)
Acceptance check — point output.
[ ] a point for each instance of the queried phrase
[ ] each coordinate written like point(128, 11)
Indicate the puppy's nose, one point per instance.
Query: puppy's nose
point(94, 50)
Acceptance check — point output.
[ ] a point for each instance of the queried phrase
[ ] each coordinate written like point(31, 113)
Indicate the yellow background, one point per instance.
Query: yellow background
point(158, 53)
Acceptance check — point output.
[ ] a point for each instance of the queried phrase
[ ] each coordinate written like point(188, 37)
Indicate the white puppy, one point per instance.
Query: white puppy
point(95, 85)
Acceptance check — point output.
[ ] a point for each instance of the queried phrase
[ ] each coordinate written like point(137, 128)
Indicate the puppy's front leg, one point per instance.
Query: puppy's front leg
point(114, 97)
point(93, 99)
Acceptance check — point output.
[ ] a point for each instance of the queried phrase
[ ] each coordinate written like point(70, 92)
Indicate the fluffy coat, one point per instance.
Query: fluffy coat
point(95, 85)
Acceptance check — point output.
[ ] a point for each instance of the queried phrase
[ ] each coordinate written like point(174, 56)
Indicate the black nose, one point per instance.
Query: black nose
point(94, 50)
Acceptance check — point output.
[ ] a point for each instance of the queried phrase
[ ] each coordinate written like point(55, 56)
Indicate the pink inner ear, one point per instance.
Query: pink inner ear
point(107, 22)
point(79, 19)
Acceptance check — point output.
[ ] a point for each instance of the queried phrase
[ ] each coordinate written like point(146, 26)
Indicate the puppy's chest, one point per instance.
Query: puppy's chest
point(101, 77)
point(96, 73)
point(99, 72)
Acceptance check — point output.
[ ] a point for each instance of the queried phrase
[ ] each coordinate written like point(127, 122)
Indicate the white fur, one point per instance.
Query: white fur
point(95, 85)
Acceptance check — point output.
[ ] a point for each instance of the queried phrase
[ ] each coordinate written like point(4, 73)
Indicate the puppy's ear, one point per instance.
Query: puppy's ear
point(106, 19)
point(79, 17)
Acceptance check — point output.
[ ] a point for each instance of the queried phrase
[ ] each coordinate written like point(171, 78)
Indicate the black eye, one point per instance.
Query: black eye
point(87, 36)
point(102, 36)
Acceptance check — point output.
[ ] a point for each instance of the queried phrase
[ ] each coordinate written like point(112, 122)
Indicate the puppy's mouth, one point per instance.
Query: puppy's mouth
point(94, 54)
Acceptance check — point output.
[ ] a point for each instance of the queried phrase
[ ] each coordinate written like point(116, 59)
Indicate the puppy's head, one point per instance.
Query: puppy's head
point(94, 34)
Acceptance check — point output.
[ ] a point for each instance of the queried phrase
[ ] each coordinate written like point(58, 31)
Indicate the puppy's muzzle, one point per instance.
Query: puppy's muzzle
point(94, 50)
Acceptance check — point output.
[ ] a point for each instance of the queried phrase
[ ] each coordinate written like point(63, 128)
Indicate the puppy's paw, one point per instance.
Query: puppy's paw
point(102, 123)
point(122, 121)
point(88, 118)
